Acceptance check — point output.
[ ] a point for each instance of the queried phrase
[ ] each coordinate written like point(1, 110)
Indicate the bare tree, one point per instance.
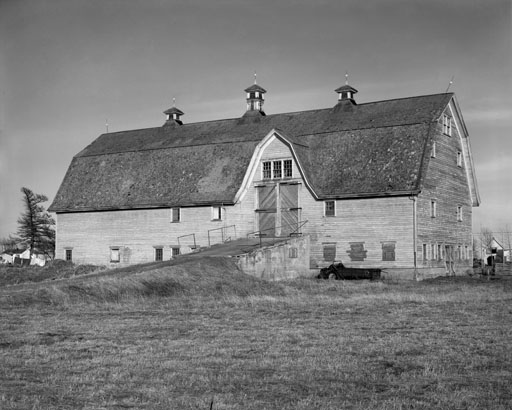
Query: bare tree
point(9, 244)
point(35, 225)
point(508, 240)
point(486, 237)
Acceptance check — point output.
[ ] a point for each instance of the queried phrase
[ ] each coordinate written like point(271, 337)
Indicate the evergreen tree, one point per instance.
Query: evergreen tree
point(35, 225)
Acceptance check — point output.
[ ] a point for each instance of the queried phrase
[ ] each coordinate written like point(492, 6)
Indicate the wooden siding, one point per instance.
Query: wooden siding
point(90, 235)
point(447, 184)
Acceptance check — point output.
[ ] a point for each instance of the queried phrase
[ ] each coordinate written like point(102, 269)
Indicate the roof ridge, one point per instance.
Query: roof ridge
point(281, 113)
point(405, 98)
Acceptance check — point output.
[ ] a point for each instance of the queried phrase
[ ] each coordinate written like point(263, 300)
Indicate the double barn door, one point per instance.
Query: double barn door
point(278, 209)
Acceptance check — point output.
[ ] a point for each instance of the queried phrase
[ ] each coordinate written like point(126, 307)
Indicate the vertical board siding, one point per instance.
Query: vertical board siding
point(448, 185)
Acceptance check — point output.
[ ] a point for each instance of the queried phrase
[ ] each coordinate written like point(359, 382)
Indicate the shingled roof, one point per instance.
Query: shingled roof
point(349, 150)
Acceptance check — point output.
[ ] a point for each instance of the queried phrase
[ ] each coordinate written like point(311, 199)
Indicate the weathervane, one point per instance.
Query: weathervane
point(449, 84)
point(255, 75)
point(346, 77)
point(106, 124)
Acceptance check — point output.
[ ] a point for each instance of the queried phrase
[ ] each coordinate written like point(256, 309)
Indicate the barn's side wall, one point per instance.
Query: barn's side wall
point(445, 235)
point(137, 233)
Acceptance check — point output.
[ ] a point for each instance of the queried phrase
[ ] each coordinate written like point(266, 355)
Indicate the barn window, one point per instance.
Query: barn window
point(388, 251)
point(217, 213)
point(459, 159)
point(292, 253)
point(439, 252)
point(287, 168)
point(433, 255)
point(433, 209)
point(267, 170)
point(330, 208)
point(459, 213)
point(357, 251)
point(329, 252)
point(447, 125)
point(175, 251)
point(159, 254)
point(424, 250)
point(277, 169)
point(115, 255)
point(69, 255)
point(175, 215)
point(433, 150)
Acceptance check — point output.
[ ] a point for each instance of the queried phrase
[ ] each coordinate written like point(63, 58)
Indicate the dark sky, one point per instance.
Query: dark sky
point(66, 66)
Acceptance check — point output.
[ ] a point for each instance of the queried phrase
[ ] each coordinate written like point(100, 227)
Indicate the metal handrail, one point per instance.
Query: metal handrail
point(190, 234)
point(222, 229)
point(260, 234)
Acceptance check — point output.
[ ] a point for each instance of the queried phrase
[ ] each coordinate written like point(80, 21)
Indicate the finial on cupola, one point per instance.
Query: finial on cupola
point(255, 98)
point(173, 114)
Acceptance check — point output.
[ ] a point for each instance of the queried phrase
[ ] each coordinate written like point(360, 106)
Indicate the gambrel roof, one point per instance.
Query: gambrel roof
point(371, 149)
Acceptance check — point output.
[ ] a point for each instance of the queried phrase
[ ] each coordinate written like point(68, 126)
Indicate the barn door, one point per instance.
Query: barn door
point(449, 260)
point(267, 210)
point(289, 204)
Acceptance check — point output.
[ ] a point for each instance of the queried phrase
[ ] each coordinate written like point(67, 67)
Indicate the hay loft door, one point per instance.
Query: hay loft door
point(278, 211)
point(267, 210)
point(289, 207)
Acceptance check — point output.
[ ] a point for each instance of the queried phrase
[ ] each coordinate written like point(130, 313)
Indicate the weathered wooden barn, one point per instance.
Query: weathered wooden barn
point(387, 184)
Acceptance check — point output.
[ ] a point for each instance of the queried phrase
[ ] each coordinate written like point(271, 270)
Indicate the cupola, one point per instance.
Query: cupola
point(255, 99)
point(346, 93)
point(173, 115)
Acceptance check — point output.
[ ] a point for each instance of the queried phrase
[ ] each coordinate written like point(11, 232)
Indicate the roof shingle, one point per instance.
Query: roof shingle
point(367, 149)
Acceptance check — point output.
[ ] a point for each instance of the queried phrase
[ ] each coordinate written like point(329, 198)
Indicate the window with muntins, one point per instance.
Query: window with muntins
point(159, 254)
point(459, 213)
point(447, 125)
point(330, 208)
point(69, 255)
point(287, 168)
point(267, 170)
point(175, 251)
point(277, 169)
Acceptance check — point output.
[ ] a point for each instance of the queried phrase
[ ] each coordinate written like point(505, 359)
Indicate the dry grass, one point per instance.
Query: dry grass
point(178, 336)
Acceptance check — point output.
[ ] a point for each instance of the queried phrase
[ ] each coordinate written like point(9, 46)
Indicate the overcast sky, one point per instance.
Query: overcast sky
point(66, 66)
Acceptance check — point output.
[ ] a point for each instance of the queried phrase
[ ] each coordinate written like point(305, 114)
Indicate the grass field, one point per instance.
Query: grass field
point(181, 336)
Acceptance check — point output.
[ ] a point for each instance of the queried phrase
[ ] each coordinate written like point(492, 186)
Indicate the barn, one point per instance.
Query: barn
point(386, 184)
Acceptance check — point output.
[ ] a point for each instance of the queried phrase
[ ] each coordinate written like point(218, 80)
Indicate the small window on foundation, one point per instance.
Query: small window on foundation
point(388, 251)
point(159, 254)
point(115, 255)
point(330, 252)
point(69, 255)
